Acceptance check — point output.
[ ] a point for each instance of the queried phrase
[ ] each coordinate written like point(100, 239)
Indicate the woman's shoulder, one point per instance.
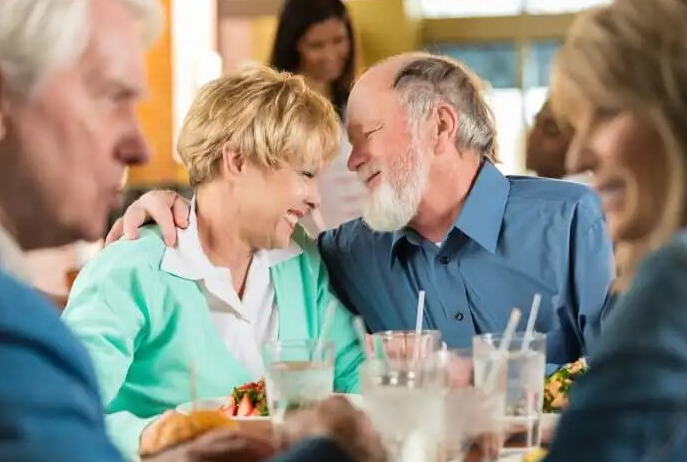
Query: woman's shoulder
point(658, 294)
point(668, 261)
point(146, 251)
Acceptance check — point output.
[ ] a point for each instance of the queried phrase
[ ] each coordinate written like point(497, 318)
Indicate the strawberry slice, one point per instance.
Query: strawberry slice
point(230, 407)
point(245, 407)
point(255, 413)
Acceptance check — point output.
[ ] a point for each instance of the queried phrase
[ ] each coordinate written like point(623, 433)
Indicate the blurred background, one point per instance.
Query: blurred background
point(511, 44)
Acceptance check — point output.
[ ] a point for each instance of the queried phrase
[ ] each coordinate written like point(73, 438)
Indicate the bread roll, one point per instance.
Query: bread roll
point(178, 428)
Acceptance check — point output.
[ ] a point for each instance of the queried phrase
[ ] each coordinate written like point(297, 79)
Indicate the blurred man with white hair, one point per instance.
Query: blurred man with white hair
point(71, 74)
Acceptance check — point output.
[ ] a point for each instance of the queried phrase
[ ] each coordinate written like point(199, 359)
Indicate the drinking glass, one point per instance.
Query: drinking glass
point(525, 367)
point(298, 374)
point(470, 413)
point(399, 345)
point(403, 401)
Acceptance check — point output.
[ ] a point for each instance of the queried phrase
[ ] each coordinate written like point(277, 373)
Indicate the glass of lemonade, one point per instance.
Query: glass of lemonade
point(399, 345)
point(404, 402)
point(525, 369)
point(298, 374)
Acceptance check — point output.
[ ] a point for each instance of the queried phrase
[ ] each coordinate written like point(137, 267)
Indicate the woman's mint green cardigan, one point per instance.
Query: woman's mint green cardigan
point(146, 329)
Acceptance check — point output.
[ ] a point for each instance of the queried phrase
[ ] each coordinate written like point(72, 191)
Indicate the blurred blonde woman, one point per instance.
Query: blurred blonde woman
point(243, 272)
point(621, 80)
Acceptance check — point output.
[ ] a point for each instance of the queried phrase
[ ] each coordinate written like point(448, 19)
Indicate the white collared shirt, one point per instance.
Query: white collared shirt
point(12, 258)
point(243, 324)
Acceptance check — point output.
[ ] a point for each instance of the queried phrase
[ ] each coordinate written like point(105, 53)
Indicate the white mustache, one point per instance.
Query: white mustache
point(366, 172)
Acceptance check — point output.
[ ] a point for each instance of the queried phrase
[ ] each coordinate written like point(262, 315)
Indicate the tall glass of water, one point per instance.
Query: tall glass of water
point(470, 412)
point(525, 365)
point(298, 374)
point(404, 403)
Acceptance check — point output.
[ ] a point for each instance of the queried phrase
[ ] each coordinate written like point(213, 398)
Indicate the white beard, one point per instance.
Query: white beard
point(396, 200)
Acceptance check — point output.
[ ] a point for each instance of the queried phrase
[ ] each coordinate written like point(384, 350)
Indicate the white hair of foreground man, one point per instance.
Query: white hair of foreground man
point(37, 36)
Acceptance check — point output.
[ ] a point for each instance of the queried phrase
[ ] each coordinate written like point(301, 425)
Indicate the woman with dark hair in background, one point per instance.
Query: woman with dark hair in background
point(315, 39)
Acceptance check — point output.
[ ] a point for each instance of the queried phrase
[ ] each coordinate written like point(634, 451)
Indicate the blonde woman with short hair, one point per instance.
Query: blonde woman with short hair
point(620, 79)
point(243, 272)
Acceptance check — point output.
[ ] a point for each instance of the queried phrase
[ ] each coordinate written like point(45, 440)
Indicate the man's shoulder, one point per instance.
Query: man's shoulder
point(24, 309)
point(31, 322)
point(354, 236)
point(549, 194)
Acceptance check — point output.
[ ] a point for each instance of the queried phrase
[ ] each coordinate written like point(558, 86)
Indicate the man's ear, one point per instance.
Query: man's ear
point(447, 124)
point(233, 163)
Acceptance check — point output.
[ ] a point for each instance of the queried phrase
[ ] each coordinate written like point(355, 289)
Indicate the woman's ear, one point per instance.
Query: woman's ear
point(233, 163)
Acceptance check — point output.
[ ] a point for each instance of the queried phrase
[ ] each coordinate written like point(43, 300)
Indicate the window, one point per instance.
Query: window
point(467, 8)
point(515, 91)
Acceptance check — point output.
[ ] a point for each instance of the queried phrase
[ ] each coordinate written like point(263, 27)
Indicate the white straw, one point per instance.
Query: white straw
point(361, 332)
point(529, 331)
point(502, 352)
point(418, 323)
point(324, 330)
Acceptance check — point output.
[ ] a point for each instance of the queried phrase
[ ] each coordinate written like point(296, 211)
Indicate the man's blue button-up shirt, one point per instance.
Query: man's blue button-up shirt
point(515, 236)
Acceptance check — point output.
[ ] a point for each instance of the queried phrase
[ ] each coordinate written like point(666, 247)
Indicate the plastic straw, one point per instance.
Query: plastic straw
point(503, 349)
point(418, 323)
point(529, 331)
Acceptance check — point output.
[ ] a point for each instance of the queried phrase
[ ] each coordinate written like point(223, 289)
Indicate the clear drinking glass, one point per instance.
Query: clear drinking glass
point(470, 413)
point(298, 374)
point(399, 345)
point(524, 385)
point(404, 403)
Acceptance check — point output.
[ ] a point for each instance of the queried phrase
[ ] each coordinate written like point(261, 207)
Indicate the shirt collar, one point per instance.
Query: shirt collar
point(12, 258)
point(481, 216)
point(187, 260)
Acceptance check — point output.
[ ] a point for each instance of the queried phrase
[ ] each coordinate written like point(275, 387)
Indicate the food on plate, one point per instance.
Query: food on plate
point(557, 386)
point(535, 455)
point(248, 400)
point(177, 428)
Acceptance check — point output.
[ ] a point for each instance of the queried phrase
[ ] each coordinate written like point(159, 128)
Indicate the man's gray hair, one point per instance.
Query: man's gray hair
point(427, 80)
point(37, 36)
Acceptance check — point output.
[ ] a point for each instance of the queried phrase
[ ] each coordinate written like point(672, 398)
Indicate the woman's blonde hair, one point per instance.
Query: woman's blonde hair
point(271, 118)
point(630, 57)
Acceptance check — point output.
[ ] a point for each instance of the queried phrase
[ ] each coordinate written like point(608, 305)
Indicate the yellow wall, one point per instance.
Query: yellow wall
point(382, 28)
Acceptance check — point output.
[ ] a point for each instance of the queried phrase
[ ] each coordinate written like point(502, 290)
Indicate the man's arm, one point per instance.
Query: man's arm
point(49, 403)
point(314, 450)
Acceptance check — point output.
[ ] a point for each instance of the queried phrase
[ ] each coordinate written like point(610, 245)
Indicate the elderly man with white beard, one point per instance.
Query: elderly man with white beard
point(441, 217)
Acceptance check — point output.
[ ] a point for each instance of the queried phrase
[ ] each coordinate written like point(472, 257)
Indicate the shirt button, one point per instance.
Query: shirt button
point(459, 316)
point(445, 259)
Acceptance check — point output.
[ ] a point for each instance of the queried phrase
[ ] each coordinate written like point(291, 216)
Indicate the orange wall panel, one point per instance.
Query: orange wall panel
point(156, 113)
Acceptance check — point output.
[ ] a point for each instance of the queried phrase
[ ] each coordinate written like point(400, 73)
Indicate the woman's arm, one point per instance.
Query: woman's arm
point(108, 312)
point(349, 354)
point(632, 403)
